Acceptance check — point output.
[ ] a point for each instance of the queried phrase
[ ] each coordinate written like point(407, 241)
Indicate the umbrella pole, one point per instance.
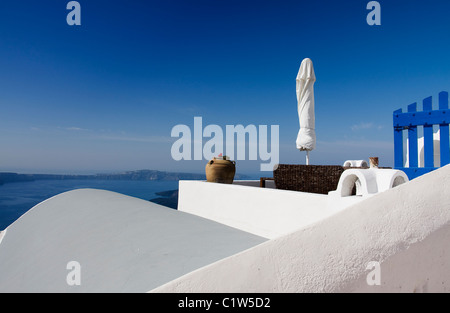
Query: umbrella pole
point(307, 157)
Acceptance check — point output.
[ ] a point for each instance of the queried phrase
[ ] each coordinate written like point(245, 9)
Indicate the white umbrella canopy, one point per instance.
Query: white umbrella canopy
point(306, 139)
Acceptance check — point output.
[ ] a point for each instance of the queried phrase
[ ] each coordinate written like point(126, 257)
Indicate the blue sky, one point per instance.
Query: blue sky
point(105, 95)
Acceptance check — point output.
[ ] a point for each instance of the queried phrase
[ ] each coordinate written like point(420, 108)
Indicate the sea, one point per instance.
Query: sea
point(18, 197)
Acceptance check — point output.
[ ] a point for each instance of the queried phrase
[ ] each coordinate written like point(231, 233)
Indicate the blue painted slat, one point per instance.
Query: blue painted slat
point(420, 118)
point(428, 135)
point(398, 142)
point(444, 131)
point(412, 139)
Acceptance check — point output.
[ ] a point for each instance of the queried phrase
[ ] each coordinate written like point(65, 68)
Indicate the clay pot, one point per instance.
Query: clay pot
point(220, 171)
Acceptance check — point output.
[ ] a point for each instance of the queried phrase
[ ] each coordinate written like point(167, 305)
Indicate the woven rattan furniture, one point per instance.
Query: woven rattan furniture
point(308, 178)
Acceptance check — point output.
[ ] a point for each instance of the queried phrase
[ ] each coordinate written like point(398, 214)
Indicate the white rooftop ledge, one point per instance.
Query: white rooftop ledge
point(265, 212)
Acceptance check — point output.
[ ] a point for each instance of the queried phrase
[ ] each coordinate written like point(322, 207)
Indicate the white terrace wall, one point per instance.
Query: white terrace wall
point(264, 212)
point(405, 229)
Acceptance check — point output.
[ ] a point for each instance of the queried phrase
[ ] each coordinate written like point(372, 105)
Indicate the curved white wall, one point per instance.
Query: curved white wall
point(123, 244)
point(265, 212)
point(405, 229)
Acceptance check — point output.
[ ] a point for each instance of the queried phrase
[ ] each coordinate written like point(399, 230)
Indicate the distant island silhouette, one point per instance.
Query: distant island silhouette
point(142, 175)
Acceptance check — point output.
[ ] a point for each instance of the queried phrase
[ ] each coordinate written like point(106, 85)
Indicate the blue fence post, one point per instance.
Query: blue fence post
point(444, 132)
point(428, 135)
point(412, 138)
point(398, 141)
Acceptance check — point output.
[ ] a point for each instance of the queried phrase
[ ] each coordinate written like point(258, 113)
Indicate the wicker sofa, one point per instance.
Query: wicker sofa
point(308, 178)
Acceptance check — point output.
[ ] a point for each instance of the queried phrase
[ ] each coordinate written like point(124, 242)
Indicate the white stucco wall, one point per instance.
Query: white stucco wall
point(264, 212)
point(405, 229)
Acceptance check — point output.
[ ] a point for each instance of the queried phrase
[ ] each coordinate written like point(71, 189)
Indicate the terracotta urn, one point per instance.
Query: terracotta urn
point(220, 170)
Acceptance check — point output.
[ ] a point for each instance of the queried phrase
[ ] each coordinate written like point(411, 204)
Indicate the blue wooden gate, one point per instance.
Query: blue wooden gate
point(427, 118)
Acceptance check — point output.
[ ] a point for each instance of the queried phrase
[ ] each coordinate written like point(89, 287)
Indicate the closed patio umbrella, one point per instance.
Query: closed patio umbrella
point(306, 139)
